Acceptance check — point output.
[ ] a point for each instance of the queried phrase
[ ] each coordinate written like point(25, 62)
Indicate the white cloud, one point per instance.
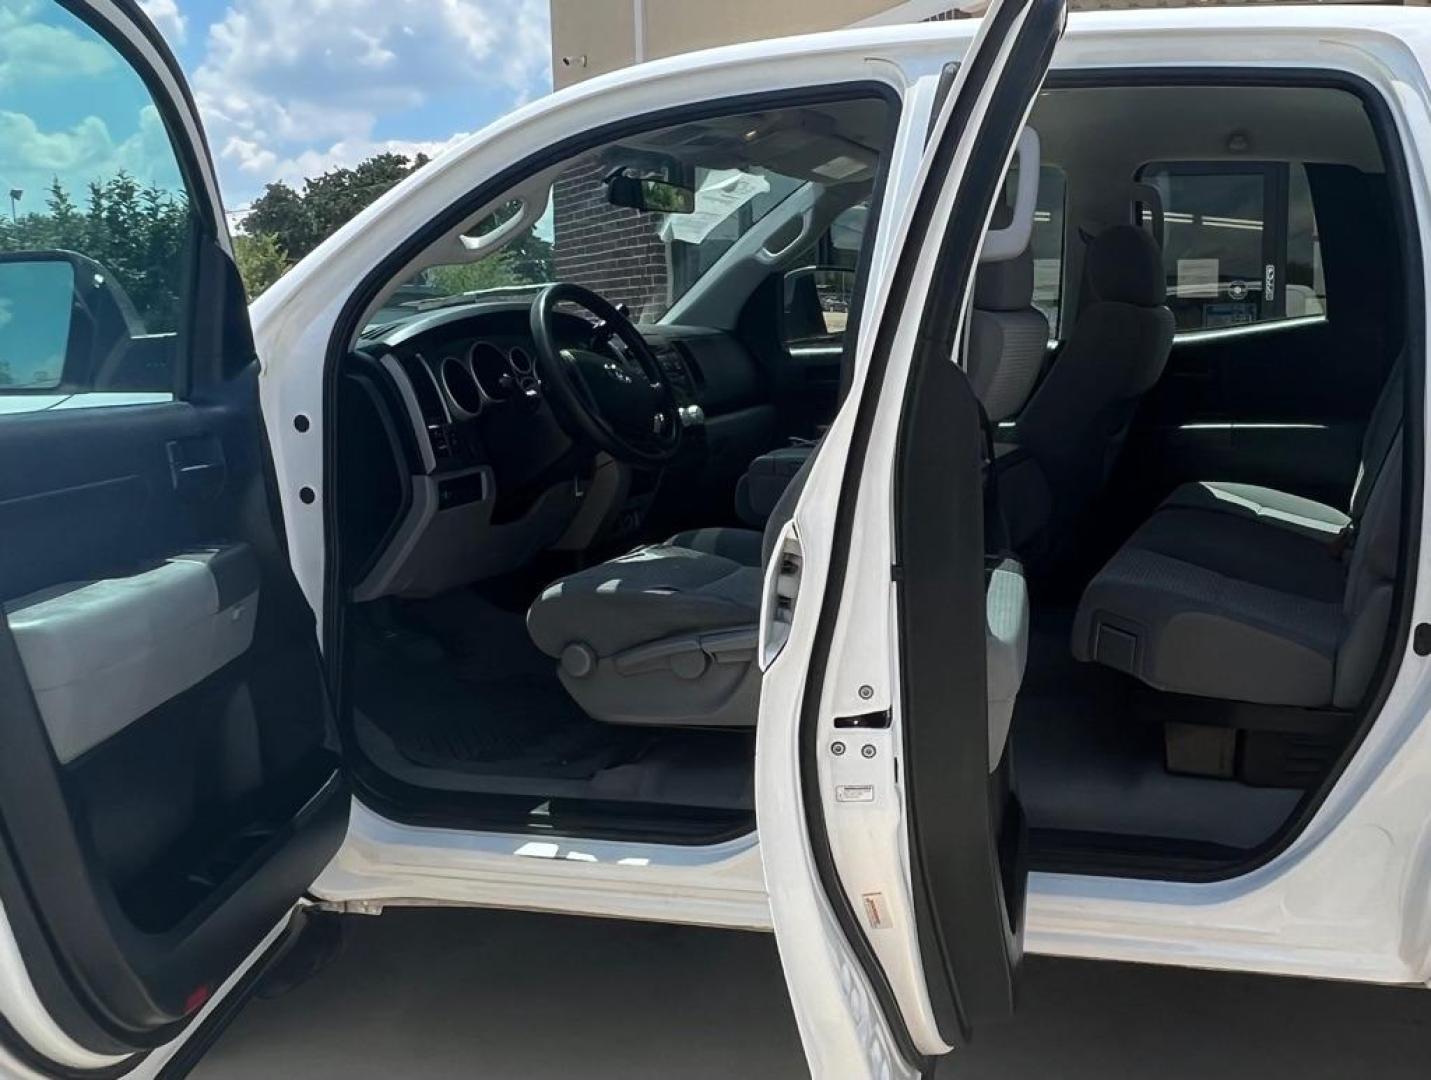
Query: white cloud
point(167, 17)
point(55, 69)
point(344, 153)
point(32, 51)
point(83, 152)
point(290, 89)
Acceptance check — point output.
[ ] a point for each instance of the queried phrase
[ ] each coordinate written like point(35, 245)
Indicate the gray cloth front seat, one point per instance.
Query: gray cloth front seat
point(1070, 433)
point(1249, 594)
point(666, 635)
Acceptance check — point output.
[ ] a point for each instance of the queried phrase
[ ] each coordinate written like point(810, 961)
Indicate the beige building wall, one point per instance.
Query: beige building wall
point(592, 37)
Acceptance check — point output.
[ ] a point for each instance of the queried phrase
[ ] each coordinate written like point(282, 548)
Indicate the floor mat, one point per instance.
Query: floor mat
point(455, 683)
point(1086, 764)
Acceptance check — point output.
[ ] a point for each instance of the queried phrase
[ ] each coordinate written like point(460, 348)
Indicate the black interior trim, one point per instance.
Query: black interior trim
point(409, 804)
point(1032, 49)
point(1176, 865)
point(966, 828)
point(206, 1033)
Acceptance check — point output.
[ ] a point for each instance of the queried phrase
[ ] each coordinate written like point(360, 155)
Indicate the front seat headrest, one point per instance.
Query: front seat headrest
point(1125, 266)
point(1007, 285)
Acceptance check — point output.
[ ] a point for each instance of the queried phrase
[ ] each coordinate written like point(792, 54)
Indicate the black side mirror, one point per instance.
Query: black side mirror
point(62, 315)
point(817, 304)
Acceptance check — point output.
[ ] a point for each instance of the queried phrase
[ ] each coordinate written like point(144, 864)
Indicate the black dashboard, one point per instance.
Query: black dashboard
point(454, 401)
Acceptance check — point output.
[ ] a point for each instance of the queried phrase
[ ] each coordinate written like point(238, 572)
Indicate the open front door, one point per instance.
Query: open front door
point(169, 783)
point(889, 829)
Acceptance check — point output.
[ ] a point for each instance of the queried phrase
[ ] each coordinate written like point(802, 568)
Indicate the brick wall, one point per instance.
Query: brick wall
point(609, 249)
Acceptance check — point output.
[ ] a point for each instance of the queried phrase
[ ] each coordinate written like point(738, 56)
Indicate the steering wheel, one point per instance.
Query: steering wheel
point(609, 390)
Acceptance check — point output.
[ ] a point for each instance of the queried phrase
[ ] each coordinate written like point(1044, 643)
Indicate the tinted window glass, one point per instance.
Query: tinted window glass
point(96, 219)
point(818, 295)
point(1048, 244)
point(734, 172)
point(1239, 243)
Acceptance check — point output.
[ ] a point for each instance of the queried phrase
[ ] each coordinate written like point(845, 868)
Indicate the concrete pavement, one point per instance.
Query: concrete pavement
point(497, 995)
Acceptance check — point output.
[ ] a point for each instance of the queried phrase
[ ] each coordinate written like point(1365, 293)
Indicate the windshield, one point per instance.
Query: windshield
point(730, 171)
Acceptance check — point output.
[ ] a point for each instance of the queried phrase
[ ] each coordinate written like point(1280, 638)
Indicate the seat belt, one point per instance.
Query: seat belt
point(996, 525)
point(1345, 540)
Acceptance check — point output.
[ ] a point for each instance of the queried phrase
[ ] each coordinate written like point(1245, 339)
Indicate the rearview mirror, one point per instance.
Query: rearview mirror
point(655, 196)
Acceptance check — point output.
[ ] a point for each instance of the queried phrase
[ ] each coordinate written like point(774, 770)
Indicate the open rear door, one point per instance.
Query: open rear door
point(169, 782)
point(891, 835)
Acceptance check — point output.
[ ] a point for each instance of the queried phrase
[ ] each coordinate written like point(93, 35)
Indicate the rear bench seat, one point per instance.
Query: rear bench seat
point(1248, 594)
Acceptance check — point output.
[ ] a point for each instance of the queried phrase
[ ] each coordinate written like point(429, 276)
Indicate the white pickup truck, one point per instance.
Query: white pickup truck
point(929, 492)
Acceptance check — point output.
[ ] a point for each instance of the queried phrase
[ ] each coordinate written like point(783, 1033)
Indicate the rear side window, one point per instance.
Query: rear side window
point(1240, 243)
point(1047, 244)
point(96, 226)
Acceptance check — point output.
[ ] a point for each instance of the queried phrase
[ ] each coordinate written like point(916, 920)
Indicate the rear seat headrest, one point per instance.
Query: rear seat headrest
point(1125, 266)
point(1007, 285)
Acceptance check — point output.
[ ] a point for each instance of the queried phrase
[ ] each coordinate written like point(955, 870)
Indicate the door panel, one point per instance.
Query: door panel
point(890, 832)
point(177, 823)
point(169, 782)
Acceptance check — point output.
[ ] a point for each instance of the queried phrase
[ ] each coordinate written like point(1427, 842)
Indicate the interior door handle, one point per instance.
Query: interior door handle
point(197, 468)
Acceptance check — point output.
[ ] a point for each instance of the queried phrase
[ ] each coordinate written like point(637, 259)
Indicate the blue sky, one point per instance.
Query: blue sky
point(288, 88)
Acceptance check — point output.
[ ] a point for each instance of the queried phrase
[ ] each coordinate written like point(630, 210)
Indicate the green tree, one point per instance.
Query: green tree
point(64, 216)
point(261, 261)
point(493, 272)
point(281, 212)
point(303, 220)
point(532, 258)
point(139, 234)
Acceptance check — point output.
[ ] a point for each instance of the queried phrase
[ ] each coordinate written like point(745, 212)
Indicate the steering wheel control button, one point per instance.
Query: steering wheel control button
point(578, 660)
